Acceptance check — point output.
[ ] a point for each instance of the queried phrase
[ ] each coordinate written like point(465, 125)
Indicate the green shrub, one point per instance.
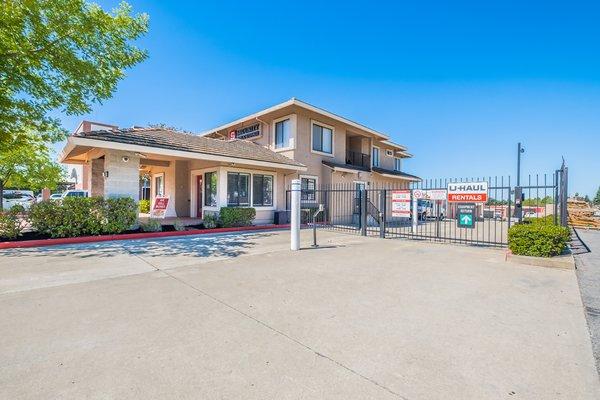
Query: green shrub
point(539, 239)
point(548, 219)
point(151, 225)
point(81, 216)
point(211, 220)
point(179, 225)
point(12, 223)
point(144, 206)
point(120, 214)
point(237, 216)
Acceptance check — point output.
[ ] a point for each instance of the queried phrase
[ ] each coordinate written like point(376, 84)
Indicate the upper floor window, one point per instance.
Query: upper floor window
point(282, 134)
point(322, 139)
point(397, 164)
point(375, 156)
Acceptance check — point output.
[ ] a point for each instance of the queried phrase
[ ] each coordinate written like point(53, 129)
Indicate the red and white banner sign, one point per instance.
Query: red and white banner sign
point(468, 192)
point(401, 203)
point(159, 208)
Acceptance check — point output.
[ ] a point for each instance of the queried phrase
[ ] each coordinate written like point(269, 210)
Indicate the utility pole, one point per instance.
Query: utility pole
point(520, 150)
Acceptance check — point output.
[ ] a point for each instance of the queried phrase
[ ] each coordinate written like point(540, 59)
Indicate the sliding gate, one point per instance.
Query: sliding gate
point(368, 210)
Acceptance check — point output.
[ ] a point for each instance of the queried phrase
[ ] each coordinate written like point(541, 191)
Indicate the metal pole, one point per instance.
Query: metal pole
point(520, 150)
point(382, 213)
point(363, 212)
point(415, 213)
point(295, 217)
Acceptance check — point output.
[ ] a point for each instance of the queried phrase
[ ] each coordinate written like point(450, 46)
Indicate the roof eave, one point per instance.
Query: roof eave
point(74, 141)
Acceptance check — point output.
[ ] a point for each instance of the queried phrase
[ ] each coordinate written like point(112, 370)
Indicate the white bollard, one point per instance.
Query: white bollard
point(415, 213)
point(295, 217)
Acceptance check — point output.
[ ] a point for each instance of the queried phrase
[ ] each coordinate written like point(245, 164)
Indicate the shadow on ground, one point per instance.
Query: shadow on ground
point(228, 245)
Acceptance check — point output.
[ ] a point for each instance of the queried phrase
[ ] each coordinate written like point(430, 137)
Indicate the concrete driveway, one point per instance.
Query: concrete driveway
point(241, 317)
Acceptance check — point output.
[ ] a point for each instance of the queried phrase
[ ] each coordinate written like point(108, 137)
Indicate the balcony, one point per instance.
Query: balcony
point(358, 159)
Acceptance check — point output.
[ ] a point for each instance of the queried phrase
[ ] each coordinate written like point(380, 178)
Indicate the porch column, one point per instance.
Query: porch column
point(123, 180)
point(95, 177)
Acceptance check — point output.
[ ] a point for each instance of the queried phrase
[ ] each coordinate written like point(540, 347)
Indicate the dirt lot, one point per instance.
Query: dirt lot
point(240, 316)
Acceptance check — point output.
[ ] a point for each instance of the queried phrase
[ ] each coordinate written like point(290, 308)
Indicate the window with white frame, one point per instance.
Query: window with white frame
point(389, 153)
point(159, 185)
point(308, 186)
point(238, 193)
point(397, 164)
point(262, 190)
point(375, 156)
point(322, 138)
point(210, 189)
point(282, 134)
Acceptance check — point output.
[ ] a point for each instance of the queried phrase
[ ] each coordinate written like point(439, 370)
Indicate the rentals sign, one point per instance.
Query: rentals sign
point(467, 192)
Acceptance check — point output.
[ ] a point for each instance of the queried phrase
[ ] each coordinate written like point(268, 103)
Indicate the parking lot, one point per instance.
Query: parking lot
point(240, 316)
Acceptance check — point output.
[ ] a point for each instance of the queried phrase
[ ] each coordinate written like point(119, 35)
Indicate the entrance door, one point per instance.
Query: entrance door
point(199, 196)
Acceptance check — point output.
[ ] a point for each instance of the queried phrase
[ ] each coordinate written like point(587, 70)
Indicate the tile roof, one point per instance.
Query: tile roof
point(172, 140)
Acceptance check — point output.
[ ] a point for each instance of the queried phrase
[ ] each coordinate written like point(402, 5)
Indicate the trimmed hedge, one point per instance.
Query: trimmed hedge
point(237, 216)
point(538, 237)
point(82, 216)
point(144, 206)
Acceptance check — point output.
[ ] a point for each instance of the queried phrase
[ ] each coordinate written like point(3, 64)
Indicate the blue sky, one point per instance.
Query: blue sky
point(459, 83)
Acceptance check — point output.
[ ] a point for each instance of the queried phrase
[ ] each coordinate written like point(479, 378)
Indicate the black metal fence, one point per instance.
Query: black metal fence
point(369, 210)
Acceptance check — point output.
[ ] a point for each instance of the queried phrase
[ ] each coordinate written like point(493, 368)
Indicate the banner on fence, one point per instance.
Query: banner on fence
point(401, 203)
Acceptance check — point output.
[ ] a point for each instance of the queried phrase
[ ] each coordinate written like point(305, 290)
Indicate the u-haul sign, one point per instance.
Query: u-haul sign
point(467, 192)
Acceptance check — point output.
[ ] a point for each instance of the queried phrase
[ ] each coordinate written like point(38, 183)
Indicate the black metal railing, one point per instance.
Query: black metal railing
point(358, 159)
point(375, 209)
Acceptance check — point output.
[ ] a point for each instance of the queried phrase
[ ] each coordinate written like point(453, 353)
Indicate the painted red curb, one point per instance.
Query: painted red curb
point(129, 236)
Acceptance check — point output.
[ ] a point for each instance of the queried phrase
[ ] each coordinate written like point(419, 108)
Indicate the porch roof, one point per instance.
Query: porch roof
point(396, 174)
point(178, 144)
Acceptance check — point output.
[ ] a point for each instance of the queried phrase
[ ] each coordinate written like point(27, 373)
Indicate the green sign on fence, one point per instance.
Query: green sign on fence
point(465, 215)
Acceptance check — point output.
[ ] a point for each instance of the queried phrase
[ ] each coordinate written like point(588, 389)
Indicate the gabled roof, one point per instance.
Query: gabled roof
point(295, 102)
point(152, 138)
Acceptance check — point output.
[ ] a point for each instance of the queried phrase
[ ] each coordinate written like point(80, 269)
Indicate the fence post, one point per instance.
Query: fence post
point(564, 195)
point(415, 213)
point(295, 217)
point(363, 212)
point(382, 213)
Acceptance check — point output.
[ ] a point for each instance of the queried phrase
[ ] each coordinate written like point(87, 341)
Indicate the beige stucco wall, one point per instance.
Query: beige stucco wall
point(123, 176)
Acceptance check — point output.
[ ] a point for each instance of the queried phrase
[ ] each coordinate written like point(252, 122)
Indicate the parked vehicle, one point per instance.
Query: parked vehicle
point(12, 198)
point(427, 209)
point(53, 196)
point(75, 193)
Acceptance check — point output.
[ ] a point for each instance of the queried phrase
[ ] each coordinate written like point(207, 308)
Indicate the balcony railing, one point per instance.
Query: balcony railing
point(358, 159)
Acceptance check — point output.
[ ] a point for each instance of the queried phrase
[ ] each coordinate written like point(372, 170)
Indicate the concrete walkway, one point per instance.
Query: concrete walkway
point(242, 317)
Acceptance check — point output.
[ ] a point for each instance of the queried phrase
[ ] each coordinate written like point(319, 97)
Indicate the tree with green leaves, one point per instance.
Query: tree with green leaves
point(29, 164)
point(61, 55)
point(597, 198)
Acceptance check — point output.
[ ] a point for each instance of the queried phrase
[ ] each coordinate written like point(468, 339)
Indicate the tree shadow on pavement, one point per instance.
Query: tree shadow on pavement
point(226, 245)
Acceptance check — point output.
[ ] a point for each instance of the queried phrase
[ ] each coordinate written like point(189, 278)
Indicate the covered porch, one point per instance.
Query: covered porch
point(234, 174)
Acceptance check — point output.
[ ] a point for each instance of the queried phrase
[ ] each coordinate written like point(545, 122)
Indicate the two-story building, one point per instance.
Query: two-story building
point(248, 162)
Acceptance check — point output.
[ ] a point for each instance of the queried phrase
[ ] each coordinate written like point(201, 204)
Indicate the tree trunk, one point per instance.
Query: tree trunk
point(1, 195)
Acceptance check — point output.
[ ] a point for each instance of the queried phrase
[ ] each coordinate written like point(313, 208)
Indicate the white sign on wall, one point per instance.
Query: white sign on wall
point(401, 203)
